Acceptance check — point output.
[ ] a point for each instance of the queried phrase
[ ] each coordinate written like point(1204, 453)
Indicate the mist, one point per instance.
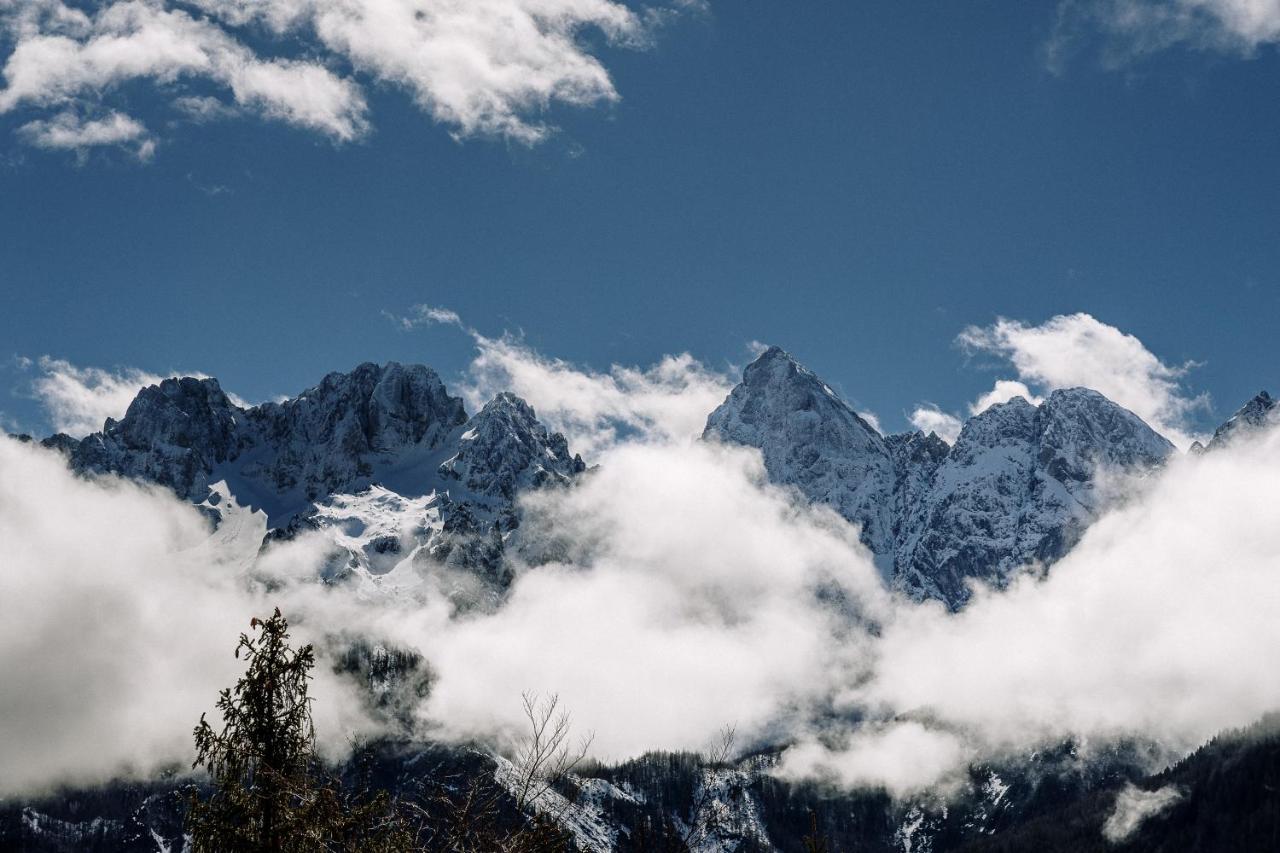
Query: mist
point(690, 594)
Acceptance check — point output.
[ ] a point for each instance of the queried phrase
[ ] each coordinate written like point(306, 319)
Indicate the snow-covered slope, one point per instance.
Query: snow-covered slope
point(813, 440)
point(1259, 412)
point(1019, 486)
point(382, 459)
point(341, 435)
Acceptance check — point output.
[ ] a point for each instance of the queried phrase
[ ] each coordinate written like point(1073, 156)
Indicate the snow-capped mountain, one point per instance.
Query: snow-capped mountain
point(813, 440)
point(1019, 486)
point(1258, 412)
point(372, 424)
point(382, 458)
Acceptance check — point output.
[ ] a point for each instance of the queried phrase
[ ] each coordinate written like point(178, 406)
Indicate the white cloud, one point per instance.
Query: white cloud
point(68, 57)
point(929, 418)
point(68, 131)
point(903, 758)
point(666, 402)
point(1134, 807)
point(422, 315)
point(686, 598)
point(689, 600)
point(120, 595)
point(1077, 350)
point(79, 399)
point(483, 67)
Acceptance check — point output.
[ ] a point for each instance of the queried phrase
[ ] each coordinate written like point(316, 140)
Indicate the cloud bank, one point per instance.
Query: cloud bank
point(1157, 624)
point(482, 68)
point(120, 615)
point(690, 594)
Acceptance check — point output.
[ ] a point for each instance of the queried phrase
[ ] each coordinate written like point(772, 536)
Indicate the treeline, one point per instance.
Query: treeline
point(1229, 803)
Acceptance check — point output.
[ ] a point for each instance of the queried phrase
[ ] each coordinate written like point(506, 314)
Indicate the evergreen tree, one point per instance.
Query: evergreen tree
point(271, 794)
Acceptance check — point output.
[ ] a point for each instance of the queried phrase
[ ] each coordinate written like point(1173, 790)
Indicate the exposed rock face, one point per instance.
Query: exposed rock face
point(338, 436)
point(505, 449)
point(1257, 413)
point(1019, 486)
point(813, 440)
point(382, 458)
point(173, 434)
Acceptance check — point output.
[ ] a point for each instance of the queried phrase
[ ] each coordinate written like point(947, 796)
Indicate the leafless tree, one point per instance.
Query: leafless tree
point(545, 755)
point(718, 754)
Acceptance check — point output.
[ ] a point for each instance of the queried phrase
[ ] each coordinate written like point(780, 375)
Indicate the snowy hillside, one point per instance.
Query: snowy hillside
point(1019, 486)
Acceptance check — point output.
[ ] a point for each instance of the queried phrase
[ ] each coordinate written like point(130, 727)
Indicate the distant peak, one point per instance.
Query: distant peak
point(773, 352)
point(773, 365)
point(507, 402)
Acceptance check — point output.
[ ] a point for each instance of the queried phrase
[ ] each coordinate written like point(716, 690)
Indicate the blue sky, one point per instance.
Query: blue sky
point(857, 183)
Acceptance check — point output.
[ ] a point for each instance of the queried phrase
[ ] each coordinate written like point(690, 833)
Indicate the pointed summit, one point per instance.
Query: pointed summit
point(1017, 487)
point(813, 440)
point(505, 448)
point(1253, 415)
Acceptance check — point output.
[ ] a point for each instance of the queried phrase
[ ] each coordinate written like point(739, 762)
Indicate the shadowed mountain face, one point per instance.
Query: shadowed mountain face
point(395, 425)
point(383, 456)
point(1020, 485)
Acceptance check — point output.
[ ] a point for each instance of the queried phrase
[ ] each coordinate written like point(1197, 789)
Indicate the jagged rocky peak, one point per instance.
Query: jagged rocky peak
point(813, 440)
point(182, 412)
point(1018, 487)
point(1253, 415)
point(377, 409)
point(505, 448)
point(173, 434)
point(1081, 429)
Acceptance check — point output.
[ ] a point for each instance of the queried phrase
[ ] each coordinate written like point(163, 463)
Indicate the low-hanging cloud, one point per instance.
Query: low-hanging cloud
point(689, 593)
point(482, 68)
point(1133, 807)
point(119, 617)
point(1157, 624)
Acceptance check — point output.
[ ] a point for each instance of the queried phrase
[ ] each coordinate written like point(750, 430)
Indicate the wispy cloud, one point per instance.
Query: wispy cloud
point(68, 131)
point(1126, 30)
point(1134, 807)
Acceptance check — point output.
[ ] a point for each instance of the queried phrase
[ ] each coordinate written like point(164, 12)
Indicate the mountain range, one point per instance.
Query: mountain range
point(412, 491)
point(386, 458)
